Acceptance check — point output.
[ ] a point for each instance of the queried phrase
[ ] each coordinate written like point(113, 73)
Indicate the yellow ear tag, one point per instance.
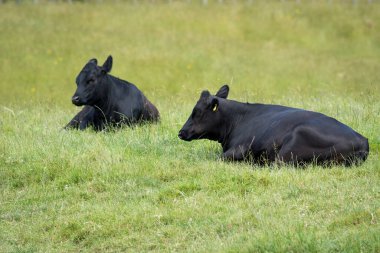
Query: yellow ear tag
point(215, 108)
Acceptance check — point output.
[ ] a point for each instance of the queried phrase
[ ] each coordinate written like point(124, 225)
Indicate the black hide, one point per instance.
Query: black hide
point(107, 100)
point(267, 133)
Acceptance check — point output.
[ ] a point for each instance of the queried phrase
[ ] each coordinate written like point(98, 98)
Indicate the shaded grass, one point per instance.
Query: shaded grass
point(142, 189)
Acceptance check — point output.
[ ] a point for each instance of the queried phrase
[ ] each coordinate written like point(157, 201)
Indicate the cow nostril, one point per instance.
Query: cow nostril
point(75, 99)
point(181, 134)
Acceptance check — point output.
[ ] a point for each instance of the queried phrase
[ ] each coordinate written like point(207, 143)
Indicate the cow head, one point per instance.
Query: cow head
point(204, 122)
point(90, 82)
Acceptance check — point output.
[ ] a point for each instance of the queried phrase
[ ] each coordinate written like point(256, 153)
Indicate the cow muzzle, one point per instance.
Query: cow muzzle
point(76, 100)
point(183, 135)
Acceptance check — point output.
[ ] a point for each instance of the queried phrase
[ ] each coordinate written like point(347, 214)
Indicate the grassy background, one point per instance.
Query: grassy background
point(143, 189)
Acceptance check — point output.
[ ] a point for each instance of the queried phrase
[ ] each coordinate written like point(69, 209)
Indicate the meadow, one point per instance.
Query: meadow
point(142, 189)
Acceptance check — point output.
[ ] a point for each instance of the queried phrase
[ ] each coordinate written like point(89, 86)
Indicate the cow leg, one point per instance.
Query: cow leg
point(235, 154)
point(83, 119)
point(74, 123)
point(306, 145)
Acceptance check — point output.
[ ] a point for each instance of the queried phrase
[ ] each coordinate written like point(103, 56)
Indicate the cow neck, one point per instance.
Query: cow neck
point(232, 113)
point(106, 103)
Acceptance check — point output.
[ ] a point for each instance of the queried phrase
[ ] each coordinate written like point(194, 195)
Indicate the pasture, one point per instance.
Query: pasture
point(142, 189)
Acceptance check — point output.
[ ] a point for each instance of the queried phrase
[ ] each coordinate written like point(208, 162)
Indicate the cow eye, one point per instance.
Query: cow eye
point(90, 81)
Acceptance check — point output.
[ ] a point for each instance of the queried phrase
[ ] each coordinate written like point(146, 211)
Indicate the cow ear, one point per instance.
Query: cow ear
point(205, 94)
point(214, 105)
point(223, 91)
point(107, 66)
point(95, 61)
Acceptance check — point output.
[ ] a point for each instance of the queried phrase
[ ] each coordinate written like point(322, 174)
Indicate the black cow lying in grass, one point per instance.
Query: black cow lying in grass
point(108, 101)
point(268, 133)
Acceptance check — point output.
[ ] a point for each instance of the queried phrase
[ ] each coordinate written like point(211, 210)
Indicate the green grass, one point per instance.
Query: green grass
point(142, 189)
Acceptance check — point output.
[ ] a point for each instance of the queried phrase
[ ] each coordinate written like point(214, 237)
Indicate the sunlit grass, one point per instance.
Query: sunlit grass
point(142, 189)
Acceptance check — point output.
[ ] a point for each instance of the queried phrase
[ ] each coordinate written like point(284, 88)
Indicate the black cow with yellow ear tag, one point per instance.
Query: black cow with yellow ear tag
point(267, 133)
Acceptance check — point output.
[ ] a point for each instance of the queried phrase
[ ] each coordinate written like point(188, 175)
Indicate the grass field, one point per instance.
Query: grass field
point(143, 189)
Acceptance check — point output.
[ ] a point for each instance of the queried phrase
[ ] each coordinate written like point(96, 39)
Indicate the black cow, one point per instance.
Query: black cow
point(109, 101)
point(267, 133)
